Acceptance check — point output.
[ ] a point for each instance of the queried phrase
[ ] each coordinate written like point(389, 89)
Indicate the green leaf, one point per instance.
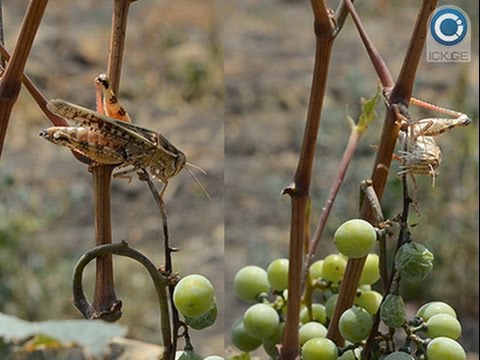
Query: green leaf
point(368, 113)
point(94, 336)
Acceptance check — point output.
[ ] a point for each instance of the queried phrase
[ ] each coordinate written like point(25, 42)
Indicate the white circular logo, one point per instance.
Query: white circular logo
point(448, 26)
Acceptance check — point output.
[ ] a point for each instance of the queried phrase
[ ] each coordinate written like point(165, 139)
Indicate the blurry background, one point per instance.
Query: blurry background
point(172, 82)
point(269, 49)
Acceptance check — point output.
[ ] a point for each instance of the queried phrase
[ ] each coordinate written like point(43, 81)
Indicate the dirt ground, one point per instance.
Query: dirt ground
point(228, 83)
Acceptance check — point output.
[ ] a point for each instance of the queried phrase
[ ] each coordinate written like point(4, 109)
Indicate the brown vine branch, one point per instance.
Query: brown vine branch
point(104, 296)
point(299, 189)
point(11, 80)
point(400, 95)
point(122, 249)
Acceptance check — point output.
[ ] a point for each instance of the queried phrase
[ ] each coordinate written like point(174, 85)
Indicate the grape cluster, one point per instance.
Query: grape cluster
point(431, 334)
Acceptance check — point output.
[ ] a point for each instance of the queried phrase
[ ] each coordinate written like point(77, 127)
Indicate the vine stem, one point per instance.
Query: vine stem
point(105, 301)
point(299, 189)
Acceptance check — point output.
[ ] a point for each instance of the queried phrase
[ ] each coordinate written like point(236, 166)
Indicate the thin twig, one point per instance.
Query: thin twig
point(2, 36)
point(168, 268)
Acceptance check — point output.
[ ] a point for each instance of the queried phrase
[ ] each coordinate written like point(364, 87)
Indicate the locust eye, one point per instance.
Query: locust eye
point(180, 162)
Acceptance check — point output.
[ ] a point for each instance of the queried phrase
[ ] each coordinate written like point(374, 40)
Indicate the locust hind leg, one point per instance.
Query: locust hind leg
point(107, 102)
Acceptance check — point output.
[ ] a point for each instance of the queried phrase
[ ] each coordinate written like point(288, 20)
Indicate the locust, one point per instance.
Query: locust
point(107, 136)
point(420, 154)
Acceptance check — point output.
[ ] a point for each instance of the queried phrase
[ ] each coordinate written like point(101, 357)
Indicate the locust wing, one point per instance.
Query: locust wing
point(133, 140)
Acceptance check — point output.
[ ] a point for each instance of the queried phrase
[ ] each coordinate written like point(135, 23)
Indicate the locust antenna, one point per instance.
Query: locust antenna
point(197, 179)
point(196, 167)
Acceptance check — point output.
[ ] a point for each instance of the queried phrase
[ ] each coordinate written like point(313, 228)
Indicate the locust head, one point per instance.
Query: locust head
point(166, 165)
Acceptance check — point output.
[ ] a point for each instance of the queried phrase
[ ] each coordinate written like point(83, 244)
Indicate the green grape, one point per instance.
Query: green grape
point(392, 311)
point(260, 321)
point(369, 300)
point(213, 357)
point(365, 287)
point(399, 355)
point(443, 348)
point(443, 325)
point(270, 344)
point(371, 271)
point(316, 269)
point(334, 267)
point(355, 324)
point(203, 321)
point(434, 308)
point(351, 355)
point(249, 282)
point(413, 261)
point(277, 273)
point(355, 238)
point(319, 314)
point(194, 295)
point(330, 305)
point(311, 330)
point(319, 348)
point(241, 339)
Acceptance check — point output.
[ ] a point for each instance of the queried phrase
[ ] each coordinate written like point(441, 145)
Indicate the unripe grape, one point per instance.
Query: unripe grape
point(249, 282)
point(316, 269)
point(355, 324)
point(355, 238)
point(319, 348)
point(319, 314)
point(369, 300)
point(194, 295)
point(241, 339)
point(270, 344)
point(351, 355)
point(330, 305)
point(203, 321)
point(392, 311)
point(277, 273)
point(365, 287)
point(434, 308)
point(413, 261)
point(443, 325)
point(443, 348)
point(399, 355)
point(260, 321)
point(213, 357)
point(371, 271)
point(311, 330)
point(334, 267)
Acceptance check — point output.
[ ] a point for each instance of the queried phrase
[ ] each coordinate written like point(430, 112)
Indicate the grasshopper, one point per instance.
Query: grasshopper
point(111, 138)
point(420, 154)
